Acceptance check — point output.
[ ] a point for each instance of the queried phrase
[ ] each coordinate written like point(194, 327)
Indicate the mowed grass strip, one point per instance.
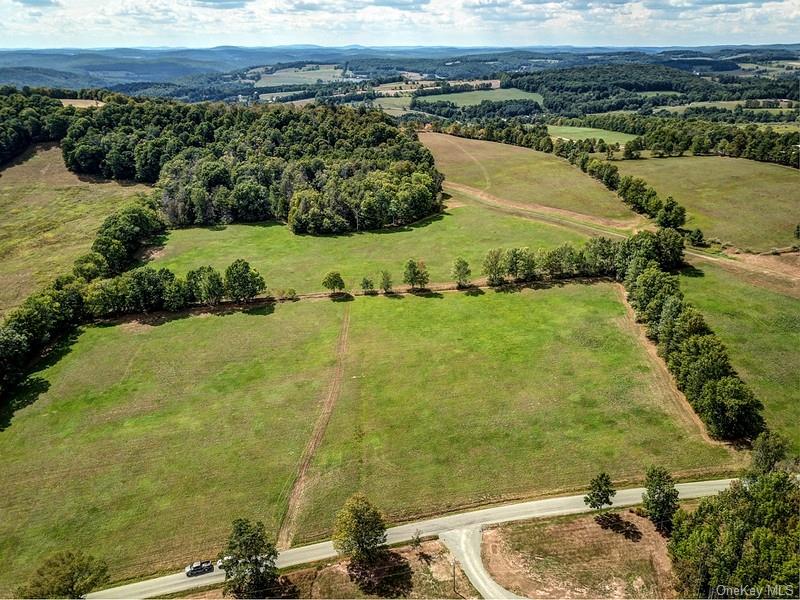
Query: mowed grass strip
point(49, 218)
point(585, 133)
point(522, 175)
point(751, 204)
point(149, 439)
point(762, 331)
point(301, 262)
point(462, 399)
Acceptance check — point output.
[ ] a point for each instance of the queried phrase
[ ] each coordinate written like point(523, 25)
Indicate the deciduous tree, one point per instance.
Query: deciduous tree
point(660, 498)
point(601, 492)
point(66, 575)
point(359, 530)
point(248, 560)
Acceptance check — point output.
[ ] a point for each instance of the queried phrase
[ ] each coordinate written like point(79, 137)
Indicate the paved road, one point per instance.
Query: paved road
point(475, 519)
point(465, 545)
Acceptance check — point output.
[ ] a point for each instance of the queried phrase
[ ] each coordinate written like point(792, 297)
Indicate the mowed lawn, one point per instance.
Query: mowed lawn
point(49, 217)
point(478, 96)
point(585, 133)
point(750, 204)
point(762, 331)
point(301, 262)
point(150, 439)
point(523, 175)
point(469, 399)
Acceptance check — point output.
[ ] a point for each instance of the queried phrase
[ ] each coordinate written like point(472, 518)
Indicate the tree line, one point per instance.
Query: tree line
point(580, 91)
point(503, 109)
point(676, 136)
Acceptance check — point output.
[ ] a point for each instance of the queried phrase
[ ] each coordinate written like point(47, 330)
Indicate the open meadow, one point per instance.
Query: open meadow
point(762, 331)
point(301, 76)
point(478, 96)
point(300, 262)
point(141, 441)
point(467, 399)
point(524, 176)
point(584, 133)
point(49, 217)
point(750, 204)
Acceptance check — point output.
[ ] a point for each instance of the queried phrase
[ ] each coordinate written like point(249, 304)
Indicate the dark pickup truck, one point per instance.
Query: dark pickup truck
point(199, 567)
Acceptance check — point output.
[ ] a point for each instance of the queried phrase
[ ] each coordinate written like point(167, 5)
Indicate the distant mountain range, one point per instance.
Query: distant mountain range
point(107, 67)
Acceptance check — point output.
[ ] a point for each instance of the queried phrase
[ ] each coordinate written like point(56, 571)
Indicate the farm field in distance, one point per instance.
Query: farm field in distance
point(750, 204)
point(300, 76)
point(146, 440)
point(530, 393)
point(478, 96)
point(762, 331)
point(288, 260)
point(49, 218)
point(583, 133)
point(524, 176)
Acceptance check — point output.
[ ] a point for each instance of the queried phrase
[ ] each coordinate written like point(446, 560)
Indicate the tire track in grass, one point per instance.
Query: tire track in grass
point(286, 532)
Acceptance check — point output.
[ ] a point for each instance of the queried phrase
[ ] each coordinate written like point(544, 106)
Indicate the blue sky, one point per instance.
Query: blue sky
point(203, 23)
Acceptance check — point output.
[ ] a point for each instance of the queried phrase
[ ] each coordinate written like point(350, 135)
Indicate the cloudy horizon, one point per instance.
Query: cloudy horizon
point(465, 23)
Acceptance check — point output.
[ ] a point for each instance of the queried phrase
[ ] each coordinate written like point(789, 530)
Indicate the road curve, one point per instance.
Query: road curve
point(465, 544)
point(475, 519)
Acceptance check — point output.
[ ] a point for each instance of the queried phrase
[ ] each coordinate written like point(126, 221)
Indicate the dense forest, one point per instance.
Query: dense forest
point(604, 88)
point(503, 109)
point(321, 169)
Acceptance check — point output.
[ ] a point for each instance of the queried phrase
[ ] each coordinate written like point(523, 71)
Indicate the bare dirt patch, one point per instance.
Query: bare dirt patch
point(577, 557)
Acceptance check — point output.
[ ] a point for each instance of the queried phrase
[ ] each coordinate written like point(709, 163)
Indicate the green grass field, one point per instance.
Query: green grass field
point(762, 331)
point(300, 76)
point(651, 94)
point(49, 217)
point(466, 399)
point(523, 175)
point(151, 439)
point(288, 260)
point(478, 96)
point(583, 133)
point(729, 104)
point(146, 440)
point(751, 204)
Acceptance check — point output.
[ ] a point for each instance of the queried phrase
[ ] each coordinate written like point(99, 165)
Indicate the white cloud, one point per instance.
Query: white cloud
point(203, 23)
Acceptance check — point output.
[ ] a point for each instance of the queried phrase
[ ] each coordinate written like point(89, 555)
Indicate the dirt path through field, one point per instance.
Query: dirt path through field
point(663, 379)
point(582, 218)
point(486, 177)
point(287, 529)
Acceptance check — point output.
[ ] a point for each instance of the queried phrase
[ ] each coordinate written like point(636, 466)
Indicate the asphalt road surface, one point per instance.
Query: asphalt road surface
point(461, 543)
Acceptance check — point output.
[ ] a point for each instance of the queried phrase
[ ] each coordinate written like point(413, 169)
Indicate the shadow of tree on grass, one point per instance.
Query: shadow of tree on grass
point(388, 576)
